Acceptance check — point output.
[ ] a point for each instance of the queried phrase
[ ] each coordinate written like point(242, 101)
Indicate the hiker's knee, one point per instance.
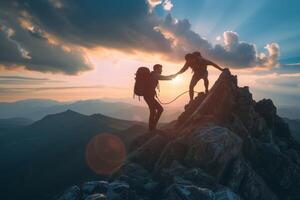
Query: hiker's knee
point(160, 109)
point(152, 110)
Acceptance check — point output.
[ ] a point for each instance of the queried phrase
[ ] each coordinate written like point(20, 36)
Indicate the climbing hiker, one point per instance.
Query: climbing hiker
point(199, 67)
point(145, 85)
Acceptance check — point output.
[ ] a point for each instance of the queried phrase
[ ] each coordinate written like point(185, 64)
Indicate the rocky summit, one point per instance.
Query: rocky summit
point(224, 146)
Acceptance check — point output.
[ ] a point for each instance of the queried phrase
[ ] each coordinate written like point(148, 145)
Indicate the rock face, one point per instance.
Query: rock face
point(224, 146)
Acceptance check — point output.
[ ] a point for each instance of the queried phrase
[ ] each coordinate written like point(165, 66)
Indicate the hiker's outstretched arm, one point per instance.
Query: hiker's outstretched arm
point(183, 69)
point(165, 78)
point(215, 65)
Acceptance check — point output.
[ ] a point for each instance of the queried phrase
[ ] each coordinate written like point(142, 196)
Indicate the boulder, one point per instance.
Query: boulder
point(136, 176)
point(243, 180)
point(147, 154)
point(188, 192)
point(119, 190)
point(212, 148)
point(73, 193)
point(94, 186)
point(224, 193)
point(175, 150)
point(96, 197)
point(267, 110)
point(280, 173)
point(141, 140)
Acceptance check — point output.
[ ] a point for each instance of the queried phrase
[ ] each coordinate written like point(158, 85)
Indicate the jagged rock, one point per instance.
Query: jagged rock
point(280, 173)
point(175, 150)
point(96, 197)
point(118, 190)
point(267, 110)
point(150, 150)
point(139, 141)
point(168, 175)
point(224, 146)
point(200, 178)
point(73, 193)
point(151, 187)
point(190, 108)
point(226, 194)
point(242, 179)
point(136, 176)
point(281, 129)
point(95, 186)
point(212, 148)
point(188, 192)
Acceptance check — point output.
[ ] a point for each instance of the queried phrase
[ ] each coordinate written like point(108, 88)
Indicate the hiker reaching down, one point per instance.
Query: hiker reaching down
point(199, 67)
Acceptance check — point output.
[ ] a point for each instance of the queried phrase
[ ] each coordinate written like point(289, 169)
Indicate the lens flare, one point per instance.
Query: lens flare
point(105, 153)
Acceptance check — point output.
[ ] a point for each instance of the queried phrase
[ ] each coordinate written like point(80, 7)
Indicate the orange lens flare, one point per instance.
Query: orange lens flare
point(105, 153)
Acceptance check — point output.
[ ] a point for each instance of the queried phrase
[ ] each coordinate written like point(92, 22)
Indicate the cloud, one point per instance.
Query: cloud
point(233, 52)
point(119, 24)
point(167, 5)
point(24, 80)
point(13, 90)
point(29, 47)
point(285, 81)
point(292, 64)
point(128, 26)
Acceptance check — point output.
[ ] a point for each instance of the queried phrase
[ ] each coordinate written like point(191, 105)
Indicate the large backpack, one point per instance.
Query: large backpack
point(142, 77)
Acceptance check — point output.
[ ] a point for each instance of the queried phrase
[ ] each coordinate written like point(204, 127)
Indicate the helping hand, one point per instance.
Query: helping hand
point(224, 69)
point(173, 76)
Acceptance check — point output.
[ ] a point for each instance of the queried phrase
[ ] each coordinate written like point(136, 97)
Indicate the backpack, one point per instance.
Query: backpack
point(142, 77)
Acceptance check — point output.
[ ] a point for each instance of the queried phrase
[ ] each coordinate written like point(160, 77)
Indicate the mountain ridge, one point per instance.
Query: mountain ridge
point(37, 154)
point(223, 146)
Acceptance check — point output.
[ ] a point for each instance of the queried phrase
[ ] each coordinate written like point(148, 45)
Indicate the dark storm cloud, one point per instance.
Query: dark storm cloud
point(119, 23)
point(31, 49)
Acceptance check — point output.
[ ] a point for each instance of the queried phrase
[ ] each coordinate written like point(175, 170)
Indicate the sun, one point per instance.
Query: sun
point(177, 80)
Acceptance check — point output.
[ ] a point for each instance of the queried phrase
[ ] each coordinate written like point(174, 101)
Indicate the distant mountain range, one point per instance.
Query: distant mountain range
point(35, 109)
point(14, 123)
point(35, 157)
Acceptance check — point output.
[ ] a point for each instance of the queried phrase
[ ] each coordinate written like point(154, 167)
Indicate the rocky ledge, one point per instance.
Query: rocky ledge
point(224, 146)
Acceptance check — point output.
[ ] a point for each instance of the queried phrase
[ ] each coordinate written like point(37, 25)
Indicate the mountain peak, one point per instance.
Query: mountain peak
point(224, 145)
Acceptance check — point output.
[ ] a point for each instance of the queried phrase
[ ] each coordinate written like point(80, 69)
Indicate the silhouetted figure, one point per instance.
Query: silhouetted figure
point(154, 106)
point(199, 67)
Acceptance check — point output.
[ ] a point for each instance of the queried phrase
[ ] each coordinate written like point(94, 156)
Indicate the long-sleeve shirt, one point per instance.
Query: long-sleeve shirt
point(198, 66)
point(153, 82)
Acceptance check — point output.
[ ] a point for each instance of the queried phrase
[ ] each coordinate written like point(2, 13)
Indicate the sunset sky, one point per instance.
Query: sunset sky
point(73, 50)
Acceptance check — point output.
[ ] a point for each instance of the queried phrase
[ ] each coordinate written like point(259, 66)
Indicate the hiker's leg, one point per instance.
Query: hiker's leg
point(152, 114)
point(193, 83)
point(206, 84)
point(159, 111)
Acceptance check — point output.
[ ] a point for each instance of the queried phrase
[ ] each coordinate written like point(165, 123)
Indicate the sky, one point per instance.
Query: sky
point(70, 50)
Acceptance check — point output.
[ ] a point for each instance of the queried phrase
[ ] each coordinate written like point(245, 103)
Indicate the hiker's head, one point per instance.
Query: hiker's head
point(197, 54)
point(157, 68)
point(188, 57)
